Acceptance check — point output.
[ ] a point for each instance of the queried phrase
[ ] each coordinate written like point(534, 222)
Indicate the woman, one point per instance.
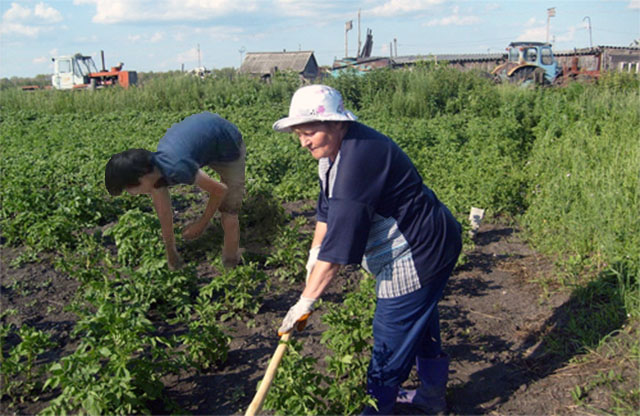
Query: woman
point(374, 209)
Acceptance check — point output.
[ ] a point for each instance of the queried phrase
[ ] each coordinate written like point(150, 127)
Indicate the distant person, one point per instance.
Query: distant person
point(198, 140)
point(374, 209)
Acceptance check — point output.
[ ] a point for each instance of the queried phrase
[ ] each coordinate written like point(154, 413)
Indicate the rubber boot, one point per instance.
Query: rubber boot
point(385, 397)
point(430, 397)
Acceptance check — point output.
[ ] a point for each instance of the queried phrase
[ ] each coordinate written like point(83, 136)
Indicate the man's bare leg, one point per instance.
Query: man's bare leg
point(231, 248)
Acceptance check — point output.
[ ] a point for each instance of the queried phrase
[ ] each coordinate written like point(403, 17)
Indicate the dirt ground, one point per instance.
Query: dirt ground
point(494, 320)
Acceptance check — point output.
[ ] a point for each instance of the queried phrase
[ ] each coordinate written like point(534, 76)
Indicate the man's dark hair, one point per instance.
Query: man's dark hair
point(125, 169)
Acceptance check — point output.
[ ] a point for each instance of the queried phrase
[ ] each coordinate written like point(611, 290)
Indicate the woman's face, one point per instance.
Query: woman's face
point(322, 139)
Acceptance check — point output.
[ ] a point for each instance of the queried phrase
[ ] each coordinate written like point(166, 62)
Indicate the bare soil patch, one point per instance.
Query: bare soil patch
point(494, 322)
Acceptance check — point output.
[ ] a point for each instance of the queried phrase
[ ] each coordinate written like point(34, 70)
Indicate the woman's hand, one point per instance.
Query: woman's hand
point(297, 315)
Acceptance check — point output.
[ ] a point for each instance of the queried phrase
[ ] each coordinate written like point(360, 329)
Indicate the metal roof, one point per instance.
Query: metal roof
point(595, 50)
point(264, 62)
point(449, 57)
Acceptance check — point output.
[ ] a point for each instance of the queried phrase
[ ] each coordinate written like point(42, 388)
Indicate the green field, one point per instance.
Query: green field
point(562, 163)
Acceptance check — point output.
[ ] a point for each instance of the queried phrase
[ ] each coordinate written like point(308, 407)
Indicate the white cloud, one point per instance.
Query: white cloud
point(19, 29)
point(47, 13)
point(220, 32)
point(567, 36)
point(454, 19)
point(491, 6)
point(116, 11)
point(156, 37)
point(395, 7)
point(151, 38)
point(303, 8)
point(23, 21)
point(634, 4)
point(532, 22)
point(534, 34)
point(536, 31)
point(16, 12)
point(40, 60)
point(189, 56)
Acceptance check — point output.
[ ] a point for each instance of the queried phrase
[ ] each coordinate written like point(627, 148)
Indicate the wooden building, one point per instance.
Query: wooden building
point(603, 58)
point(266, 64)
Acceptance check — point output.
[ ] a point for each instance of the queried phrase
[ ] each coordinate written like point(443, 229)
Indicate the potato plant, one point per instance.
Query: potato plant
point(562, 162)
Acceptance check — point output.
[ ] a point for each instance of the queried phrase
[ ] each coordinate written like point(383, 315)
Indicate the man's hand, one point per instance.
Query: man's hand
point(174, 260)
point(297, 315)
point(313, 257)
point(193, 230)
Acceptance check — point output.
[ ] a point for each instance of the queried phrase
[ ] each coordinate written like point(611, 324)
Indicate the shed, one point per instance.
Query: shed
point(607, 58)
point(265, 64)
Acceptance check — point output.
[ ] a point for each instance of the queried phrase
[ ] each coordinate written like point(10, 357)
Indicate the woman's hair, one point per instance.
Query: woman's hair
point(125, 169)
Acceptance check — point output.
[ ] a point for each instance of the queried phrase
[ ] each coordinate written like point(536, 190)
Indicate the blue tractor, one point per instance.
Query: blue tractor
point(528, 62)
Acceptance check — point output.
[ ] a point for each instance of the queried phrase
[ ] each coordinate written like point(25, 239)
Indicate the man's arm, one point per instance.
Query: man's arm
point(216, 191)
point(162, 204)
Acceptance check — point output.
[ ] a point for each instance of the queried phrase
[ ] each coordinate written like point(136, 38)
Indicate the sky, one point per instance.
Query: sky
point(164, 35)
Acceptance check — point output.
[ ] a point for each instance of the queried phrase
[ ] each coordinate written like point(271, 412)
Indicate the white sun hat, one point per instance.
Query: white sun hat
point(314, 103)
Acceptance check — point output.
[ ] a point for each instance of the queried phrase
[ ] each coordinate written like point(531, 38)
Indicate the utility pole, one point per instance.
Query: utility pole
point(590, 40)
point(395, 47)
point(359, 42)
point(551, 12)
point(242, 51)
point(199, 64)
point(347, 27)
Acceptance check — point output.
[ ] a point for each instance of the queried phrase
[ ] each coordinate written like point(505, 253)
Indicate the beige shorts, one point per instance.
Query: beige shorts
point(232, 174)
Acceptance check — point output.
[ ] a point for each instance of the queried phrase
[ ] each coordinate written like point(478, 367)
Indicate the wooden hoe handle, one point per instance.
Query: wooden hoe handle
point(269, 375)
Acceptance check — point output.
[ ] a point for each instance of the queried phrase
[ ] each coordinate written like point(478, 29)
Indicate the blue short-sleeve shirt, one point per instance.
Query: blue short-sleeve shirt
point(196, 141)
point(379, 213)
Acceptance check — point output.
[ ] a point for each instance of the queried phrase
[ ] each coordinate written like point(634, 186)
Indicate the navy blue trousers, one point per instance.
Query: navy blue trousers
point(404, 328)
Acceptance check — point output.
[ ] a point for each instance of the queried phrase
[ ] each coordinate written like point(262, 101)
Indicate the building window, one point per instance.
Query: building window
point(633, 67)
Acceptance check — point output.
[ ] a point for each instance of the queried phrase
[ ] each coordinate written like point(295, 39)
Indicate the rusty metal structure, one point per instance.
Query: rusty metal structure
point(362, 63)
point(602, 58)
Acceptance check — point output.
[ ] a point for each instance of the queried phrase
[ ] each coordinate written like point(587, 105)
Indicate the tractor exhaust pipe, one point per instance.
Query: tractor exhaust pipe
point(102, 55)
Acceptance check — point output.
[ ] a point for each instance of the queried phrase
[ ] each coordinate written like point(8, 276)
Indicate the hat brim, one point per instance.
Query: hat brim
point(285, 124)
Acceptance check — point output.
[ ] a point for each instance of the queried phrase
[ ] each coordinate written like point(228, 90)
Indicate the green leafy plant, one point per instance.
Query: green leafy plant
point(19, 381)
point(236, 293)
point(290, 252)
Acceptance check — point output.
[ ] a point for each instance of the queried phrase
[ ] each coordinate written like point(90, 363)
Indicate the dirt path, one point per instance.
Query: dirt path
point(493, 320)
point(493, 323)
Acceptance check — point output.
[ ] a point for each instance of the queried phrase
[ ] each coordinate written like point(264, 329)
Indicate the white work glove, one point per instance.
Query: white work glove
point(297, 315)
point(313, 257)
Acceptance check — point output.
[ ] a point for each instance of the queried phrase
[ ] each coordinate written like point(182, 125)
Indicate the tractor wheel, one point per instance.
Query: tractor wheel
point(539, 77)
point(523, 76)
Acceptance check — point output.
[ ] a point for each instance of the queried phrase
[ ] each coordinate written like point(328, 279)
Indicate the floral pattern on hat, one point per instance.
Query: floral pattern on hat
point(314, 103)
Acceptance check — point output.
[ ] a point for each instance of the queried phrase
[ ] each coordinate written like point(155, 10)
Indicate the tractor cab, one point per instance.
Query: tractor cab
point(72, 71)
point(529, 61)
